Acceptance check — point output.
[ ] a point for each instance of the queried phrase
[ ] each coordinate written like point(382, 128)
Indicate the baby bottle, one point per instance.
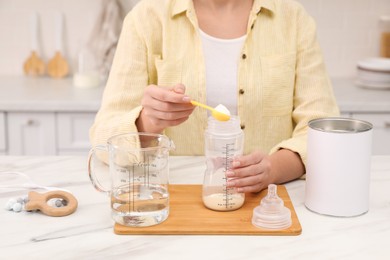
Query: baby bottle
point(223, 141)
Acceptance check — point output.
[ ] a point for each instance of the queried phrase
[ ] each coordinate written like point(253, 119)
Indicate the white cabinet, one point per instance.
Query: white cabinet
point(45, 116)
point(31, 133)
point(46, 133)
point(73, 132)
point(2, 133)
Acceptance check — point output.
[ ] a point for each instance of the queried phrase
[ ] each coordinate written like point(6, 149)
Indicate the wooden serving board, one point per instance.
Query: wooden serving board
point(188, 216)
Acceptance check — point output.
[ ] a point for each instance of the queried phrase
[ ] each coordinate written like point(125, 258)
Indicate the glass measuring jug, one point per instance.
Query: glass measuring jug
point(223, 141)
point(139, 176)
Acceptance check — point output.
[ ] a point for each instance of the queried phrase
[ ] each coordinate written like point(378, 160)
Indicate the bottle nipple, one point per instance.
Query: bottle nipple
point(271, 213)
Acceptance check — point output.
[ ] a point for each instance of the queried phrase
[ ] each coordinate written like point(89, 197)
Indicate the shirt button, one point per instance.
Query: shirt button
point(241, 91)
point(244, 56)
point(252, 26)
point(242, 126)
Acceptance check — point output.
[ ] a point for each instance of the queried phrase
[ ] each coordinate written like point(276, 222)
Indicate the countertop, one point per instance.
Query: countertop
point(88, 233)
point(47, 94)
point(19, 93)
point(353, 98)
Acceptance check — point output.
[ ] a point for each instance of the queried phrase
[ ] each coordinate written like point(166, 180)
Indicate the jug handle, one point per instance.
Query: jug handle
point(92, 158)
point(171, 146)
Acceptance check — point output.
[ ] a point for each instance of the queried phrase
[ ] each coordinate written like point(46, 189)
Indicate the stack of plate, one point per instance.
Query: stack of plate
point(374, 73)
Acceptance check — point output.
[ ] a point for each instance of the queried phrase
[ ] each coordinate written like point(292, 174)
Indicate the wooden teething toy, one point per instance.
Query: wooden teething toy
point(38, 201)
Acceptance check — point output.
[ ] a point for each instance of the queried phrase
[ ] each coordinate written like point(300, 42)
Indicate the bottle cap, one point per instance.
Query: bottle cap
point(271, 213)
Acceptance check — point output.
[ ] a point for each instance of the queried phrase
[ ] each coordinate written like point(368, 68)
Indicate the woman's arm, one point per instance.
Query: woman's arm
point(313, 98)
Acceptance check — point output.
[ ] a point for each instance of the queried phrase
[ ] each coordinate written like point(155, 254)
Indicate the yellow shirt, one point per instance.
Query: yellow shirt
point(282, 81)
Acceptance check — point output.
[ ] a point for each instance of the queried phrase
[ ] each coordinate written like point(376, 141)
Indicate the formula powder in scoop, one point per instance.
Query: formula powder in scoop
point(222, 109)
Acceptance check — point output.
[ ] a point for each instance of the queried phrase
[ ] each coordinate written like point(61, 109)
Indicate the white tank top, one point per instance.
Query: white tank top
point(221, 61)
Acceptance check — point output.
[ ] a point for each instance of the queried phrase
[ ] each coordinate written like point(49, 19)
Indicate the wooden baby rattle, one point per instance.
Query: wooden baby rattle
point(38, 201)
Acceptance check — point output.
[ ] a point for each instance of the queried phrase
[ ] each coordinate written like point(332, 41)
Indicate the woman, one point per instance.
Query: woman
point(260, 58)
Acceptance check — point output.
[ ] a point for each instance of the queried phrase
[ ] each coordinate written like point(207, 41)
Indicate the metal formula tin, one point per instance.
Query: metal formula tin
point(338, 166)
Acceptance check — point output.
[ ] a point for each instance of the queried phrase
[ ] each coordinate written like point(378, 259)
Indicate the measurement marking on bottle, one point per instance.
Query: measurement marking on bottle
point(132, 193)
point(227, 166)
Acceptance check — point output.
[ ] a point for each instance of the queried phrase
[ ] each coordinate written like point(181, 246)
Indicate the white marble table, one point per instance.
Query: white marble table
point(88, 233)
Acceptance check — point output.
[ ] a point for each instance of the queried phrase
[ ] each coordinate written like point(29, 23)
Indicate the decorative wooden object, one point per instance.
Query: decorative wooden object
point(34, 66)
point(385, 44)
point(58, 66)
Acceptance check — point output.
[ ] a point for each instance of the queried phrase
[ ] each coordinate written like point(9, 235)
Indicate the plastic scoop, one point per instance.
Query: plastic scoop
point(220, 112)
point(271, 213)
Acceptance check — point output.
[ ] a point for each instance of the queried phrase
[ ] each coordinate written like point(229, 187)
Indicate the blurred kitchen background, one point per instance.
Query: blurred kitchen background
point(349, 31)
point(80, 19)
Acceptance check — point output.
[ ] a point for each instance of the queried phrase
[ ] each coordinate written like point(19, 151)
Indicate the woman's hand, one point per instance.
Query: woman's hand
point(255, 171)
point(250, 173)
point(163, 107)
